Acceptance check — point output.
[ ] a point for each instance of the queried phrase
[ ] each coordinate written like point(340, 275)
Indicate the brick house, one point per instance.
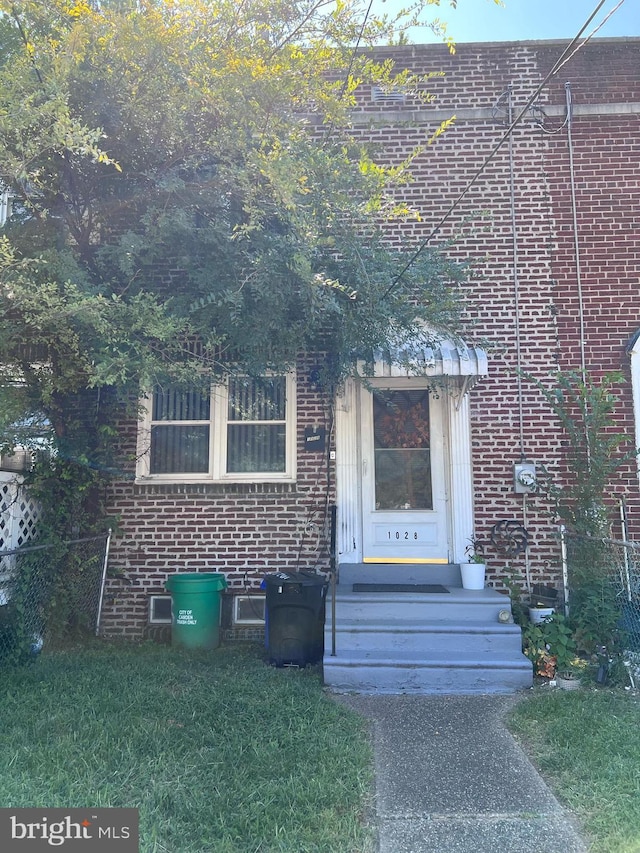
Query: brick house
point(551, 224)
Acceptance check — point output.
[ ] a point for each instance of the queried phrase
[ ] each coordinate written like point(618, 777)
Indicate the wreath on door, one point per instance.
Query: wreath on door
point(408, 428)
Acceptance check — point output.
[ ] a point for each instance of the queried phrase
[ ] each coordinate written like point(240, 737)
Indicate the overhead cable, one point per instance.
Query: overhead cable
point(505, 136)
point(352, 59)
point(592, 33)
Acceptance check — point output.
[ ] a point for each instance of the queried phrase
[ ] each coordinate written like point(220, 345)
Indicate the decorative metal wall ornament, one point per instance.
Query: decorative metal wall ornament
point(509, 538)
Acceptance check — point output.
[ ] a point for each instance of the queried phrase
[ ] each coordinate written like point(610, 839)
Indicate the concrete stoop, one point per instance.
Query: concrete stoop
point(420, 643)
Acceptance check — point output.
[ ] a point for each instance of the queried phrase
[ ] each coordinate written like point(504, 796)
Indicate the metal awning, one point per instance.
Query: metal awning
point(443, 357)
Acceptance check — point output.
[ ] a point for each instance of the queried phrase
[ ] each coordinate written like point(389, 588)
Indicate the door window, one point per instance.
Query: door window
point(402, 449)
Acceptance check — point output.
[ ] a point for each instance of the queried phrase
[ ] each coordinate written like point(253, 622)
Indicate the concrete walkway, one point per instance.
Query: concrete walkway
point(451, 779)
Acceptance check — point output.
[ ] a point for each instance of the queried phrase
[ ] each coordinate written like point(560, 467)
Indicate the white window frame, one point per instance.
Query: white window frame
point(154, 619)
point(259, 601)
point(218, 443)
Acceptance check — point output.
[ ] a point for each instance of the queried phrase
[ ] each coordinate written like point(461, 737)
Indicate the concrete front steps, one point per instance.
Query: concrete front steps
point(399, 642)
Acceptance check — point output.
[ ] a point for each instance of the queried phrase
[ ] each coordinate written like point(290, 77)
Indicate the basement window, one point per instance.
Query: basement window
point(159, 609)
point(249, 610)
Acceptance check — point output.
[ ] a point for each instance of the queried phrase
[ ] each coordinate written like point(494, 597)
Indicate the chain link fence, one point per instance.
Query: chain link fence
point(48, 593)
point(602, 591)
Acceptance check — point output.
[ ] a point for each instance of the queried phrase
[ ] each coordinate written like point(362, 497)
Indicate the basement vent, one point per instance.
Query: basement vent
point(159, 609)
point(388, 95)
point(249, 610)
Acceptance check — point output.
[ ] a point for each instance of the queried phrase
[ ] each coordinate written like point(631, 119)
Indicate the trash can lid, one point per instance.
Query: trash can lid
point(299, 578)
point(196, 582)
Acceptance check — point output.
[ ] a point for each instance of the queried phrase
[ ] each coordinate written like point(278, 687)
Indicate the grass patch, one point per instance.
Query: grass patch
point(220, 752)
point(587, 745)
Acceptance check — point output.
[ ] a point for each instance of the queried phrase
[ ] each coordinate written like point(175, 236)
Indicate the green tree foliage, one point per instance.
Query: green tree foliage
point(595, 450)
point(184, 170)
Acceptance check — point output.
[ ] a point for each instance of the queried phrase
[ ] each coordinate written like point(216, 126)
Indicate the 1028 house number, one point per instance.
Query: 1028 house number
point(402, 535)
point(408, 538)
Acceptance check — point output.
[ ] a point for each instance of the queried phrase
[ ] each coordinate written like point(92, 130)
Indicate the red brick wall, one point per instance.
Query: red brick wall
point(511, 418)
point(241, 530)
point(246, 531)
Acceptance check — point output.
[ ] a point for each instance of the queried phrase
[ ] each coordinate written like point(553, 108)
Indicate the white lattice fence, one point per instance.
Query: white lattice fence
point(19, 513)
point(19, 516)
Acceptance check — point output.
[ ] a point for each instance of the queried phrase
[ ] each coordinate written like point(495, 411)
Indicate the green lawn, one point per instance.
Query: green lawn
point(220, 752)
point(587, 746)
point(224, 754)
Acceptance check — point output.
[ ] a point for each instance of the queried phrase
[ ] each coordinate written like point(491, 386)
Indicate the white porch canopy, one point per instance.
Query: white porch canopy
point(439, 358)
point(445, 358)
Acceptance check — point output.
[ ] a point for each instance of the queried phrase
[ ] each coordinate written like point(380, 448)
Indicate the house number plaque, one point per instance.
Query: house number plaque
point(404, 534)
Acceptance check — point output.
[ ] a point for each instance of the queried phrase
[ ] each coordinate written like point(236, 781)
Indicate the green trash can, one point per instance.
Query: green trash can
point(195, 609)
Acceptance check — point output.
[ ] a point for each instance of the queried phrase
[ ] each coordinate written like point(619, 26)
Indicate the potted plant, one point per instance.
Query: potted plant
point(473, 571)
point(538, 613)
point(542, 602)
point(570, 677)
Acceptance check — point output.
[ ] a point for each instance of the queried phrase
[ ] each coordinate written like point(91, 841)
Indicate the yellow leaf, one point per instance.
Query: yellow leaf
point(443, 126)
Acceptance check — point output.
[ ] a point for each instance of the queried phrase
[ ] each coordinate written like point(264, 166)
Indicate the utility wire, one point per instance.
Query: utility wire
point(23, 35)
point(576, 243)
point(356, 47)
point(558, 64)
point(593, 32)
point(516, 277)
point(352, 60)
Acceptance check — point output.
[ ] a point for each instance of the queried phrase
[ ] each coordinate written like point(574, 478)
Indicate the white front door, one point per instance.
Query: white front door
point(404, 498)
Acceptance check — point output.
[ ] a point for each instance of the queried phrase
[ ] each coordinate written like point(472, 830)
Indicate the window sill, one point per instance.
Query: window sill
point(160, 480)
point(209, 487)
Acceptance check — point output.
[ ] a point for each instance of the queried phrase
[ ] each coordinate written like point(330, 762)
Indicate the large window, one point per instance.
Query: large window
point(243, 430)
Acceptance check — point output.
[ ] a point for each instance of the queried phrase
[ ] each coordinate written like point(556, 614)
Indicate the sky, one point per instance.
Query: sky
point(515, 20)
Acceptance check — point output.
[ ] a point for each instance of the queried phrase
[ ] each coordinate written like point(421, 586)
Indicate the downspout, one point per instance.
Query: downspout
point(516, 307)
point(516, 280)
point(576, 242)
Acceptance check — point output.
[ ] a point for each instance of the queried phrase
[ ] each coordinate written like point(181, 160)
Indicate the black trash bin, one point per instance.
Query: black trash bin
point(294, 624)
